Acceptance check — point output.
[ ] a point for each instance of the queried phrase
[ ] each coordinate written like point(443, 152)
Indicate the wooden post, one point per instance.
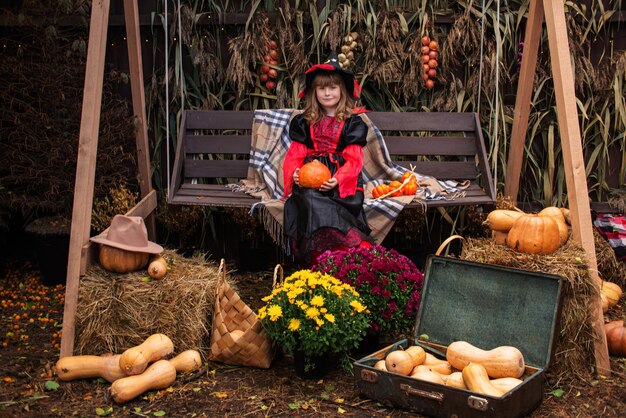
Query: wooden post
point(85, 166)
point(575, 175)
point(133, 43)
point(532, 39)
point(569, 129)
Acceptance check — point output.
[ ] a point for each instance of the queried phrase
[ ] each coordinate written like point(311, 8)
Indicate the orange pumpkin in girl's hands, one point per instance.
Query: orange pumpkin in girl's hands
point(410, 188)
point(312, 175)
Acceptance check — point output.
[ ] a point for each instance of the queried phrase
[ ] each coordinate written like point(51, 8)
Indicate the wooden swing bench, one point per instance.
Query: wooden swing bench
point(214, 146)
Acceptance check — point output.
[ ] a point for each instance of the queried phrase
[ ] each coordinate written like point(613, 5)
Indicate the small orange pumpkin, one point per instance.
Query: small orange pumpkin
point(410, 188)
point(312, 175)
point(395, 185)
point(616, 338)
point(408, 175)
point(380, 190)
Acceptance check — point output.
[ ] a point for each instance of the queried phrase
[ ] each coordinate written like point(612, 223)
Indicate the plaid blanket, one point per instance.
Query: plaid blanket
point(270, 141)
point(613, 229)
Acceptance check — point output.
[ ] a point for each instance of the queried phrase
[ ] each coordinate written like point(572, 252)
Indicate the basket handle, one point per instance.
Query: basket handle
point(447, 242)
point(276, 282)
point(221, 278)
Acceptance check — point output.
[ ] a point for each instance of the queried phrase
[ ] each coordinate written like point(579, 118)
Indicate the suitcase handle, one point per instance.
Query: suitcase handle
point(410, 390)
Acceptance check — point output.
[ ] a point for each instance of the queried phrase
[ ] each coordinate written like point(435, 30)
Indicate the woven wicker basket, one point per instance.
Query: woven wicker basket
point(238, 338)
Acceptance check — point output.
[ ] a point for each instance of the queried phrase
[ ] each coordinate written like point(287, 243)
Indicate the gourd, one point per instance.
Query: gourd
point(312, 175)
point(410, 188)
point(428, 376)
point(381, 365)
point(455, 380)
point(396, 188)
point(121, 261)
point(502, 219)
point(159, 375)
point(503, 361)
point(400, 362)
point(85, 367)
point(157, 269)
point(437, 365)
point(612, 292)
point(476, 379)
point(417, 353)
point(616, 338)
point(187, 361)
point(136, 359)
point(440, 368)
point(605, 303)
point(506, 384)
point(534, 234)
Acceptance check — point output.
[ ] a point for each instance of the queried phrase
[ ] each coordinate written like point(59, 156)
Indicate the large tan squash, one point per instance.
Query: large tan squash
point(476, 379)
point(187, 361)
point(86, 367)
point(121, 261)
point(503, 361)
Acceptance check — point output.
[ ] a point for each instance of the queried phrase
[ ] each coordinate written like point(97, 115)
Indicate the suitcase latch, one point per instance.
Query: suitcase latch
point(475, 402)
point(369, 376)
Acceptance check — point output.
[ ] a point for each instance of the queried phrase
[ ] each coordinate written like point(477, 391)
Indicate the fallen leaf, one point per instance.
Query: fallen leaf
point(339, 400)
point(220, 395)
point(196, 389)
point(51, 385)
point(341, 411)
point(557, 393)
point(103, 412)
point(159, 413)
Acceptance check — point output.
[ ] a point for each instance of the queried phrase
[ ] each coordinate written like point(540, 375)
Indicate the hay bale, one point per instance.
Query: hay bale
point(574, 352)
point(118, 311)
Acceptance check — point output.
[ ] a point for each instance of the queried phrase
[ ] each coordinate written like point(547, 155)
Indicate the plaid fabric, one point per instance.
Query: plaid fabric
point(270, 141)
point(613, 229)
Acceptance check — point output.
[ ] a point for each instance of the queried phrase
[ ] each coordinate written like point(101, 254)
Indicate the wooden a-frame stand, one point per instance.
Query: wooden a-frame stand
point(81, 253)
point(569, 129)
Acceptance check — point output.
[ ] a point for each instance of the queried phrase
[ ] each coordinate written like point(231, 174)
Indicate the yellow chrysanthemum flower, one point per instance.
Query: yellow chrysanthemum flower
point(294, 324)
point(312, 312)
point(319, 322)
point(317, 301)
point(330, 318)
point(357, 306)
point(275, 312)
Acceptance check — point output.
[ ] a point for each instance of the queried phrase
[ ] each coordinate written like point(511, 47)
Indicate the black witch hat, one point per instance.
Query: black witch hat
point(331, 65)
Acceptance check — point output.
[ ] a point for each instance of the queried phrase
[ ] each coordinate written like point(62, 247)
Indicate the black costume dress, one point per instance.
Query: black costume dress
point(316, 221)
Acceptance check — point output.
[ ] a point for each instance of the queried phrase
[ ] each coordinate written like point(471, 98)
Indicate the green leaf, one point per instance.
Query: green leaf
point(103, 412)
point(146, 279)
point(295, 405)
point(51, 385)
point(159, 413)
point(324, 395)
point(557, 393)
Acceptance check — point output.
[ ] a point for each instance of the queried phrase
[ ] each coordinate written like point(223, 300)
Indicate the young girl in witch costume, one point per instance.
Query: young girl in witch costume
point(330, 131)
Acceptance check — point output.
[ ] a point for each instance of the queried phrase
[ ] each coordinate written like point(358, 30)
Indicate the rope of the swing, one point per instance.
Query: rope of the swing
point(180, 57)
point(496, 139)
point(167, 100)
point(480, 61)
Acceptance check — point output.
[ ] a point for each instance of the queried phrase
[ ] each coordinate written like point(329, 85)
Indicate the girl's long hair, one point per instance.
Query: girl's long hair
point(313, 110)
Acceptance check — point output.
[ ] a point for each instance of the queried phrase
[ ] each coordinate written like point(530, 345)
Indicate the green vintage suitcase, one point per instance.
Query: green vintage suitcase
point(488, 306)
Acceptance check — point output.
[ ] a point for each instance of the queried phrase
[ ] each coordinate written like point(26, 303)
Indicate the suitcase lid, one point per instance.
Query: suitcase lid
point(488, 306)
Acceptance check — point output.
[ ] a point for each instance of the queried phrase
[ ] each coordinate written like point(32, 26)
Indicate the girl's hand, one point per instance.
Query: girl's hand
point(296, 176)
point(329, 185)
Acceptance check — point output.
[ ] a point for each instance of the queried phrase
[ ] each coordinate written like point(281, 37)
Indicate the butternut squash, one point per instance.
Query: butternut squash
point(417, 353)
point(455, 380)
point(136, 359)
point(157, 269)
point(502, 219)
point(476, 379)
point(506, 384)
point(428, 376)
point(187, 361)
point(159, 375)
point(399, 361)
point(85, 367)
point(441, 367)
point(380, 365)
point(503, 361)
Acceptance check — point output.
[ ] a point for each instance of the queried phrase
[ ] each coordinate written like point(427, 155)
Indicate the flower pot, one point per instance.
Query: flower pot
point(313, 367)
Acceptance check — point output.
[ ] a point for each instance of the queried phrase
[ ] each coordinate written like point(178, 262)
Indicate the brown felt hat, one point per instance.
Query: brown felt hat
point(128, 233)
